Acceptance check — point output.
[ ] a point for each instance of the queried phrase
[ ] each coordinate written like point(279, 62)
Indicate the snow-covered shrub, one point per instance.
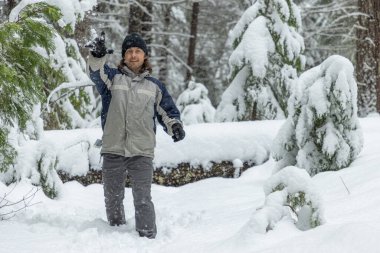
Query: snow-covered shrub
point(290, 195)
point(7, 151)
point(194, 105)
point(266, 60)
point(48, 177)
point(322, 131)
point(301, 195)
point(36, 161)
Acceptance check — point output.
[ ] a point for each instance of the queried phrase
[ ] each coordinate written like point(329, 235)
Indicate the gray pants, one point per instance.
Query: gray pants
point(140, 170)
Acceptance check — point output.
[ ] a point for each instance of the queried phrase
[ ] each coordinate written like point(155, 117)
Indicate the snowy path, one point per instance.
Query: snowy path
point(189, 217)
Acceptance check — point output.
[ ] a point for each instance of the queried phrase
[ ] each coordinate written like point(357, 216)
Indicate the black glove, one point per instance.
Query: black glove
point(98, 47)
point(178, 132)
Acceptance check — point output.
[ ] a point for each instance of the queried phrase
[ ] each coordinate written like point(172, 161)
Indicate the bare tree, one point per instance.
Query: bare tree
point(328, 28)
point(211, 66)
point(9, 209)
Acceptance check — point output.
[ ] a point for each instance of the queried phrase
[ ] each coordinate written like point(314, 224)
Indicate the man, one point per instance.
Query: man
point(131, 101)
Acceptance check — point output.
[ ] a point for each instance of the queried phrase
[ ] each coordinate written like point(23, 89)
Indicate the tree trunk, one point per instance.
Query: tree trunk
point(140, 19)
point(10, 4)
point(367, 57)
point(193, 39)
point(377, 51)
point(163, 62)
point(82, 34)
point(6, 8)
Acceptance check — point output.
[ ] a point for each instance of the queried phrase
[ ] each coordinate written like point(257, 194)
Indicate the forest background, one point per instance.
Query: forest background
point(190, 39)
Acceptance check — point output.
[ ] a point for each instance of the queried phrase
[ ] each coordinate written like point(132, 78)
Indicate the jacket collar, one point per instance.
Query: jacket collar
point(138, 77)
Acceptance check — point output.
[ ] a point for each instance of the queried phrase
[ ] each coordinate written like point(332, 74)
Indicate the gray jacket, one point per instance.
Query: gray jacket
point(131, 103)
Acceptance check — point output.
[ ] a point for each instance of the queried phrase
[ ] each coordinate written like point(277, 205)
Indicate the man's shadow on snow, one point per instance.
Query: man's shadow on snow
point(103, 227)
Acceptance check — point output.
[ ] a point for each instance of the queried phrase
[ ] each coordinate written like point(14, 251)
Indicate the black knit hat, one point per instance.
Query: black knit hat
point(133, 40)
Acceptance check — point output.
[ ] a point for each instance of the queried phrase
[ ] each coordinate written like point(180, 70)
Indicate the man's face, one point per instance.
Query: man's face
point(134, 58)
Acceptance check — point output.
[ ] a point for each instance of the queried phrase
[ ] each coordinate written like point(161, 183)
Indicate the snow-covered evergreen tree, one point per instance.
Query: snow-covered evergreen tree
point(33, 56)
point(22, 71)
point(322, 131)
point(265, 62)
point(194, 105)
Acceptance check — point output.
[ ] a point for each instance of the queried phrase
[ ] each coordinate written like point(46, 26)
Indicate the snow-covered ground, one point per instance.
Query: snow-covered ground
point(207, 216)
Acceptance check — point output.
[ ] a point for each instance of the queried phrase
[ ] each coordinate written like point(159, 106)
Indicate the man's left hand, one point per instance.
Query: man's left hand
point(178, 132)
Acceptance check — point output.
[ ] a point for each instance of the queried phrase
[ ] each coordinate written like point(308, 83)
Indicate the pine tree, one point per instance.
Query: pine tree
point(266, 60)
point(322, 132)
point(22, 70)
point(194, 105)
point(35, 57)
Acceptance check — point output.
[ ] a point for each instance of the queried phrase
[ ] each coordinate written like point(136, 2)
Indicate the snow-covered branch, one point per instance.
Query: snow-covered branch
point(102, 20)
point(143, 8)
point(173, 54)
point(115, 4)
point(326, 9)
point(172, 33)
point(169, 2)
point(71, 85)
